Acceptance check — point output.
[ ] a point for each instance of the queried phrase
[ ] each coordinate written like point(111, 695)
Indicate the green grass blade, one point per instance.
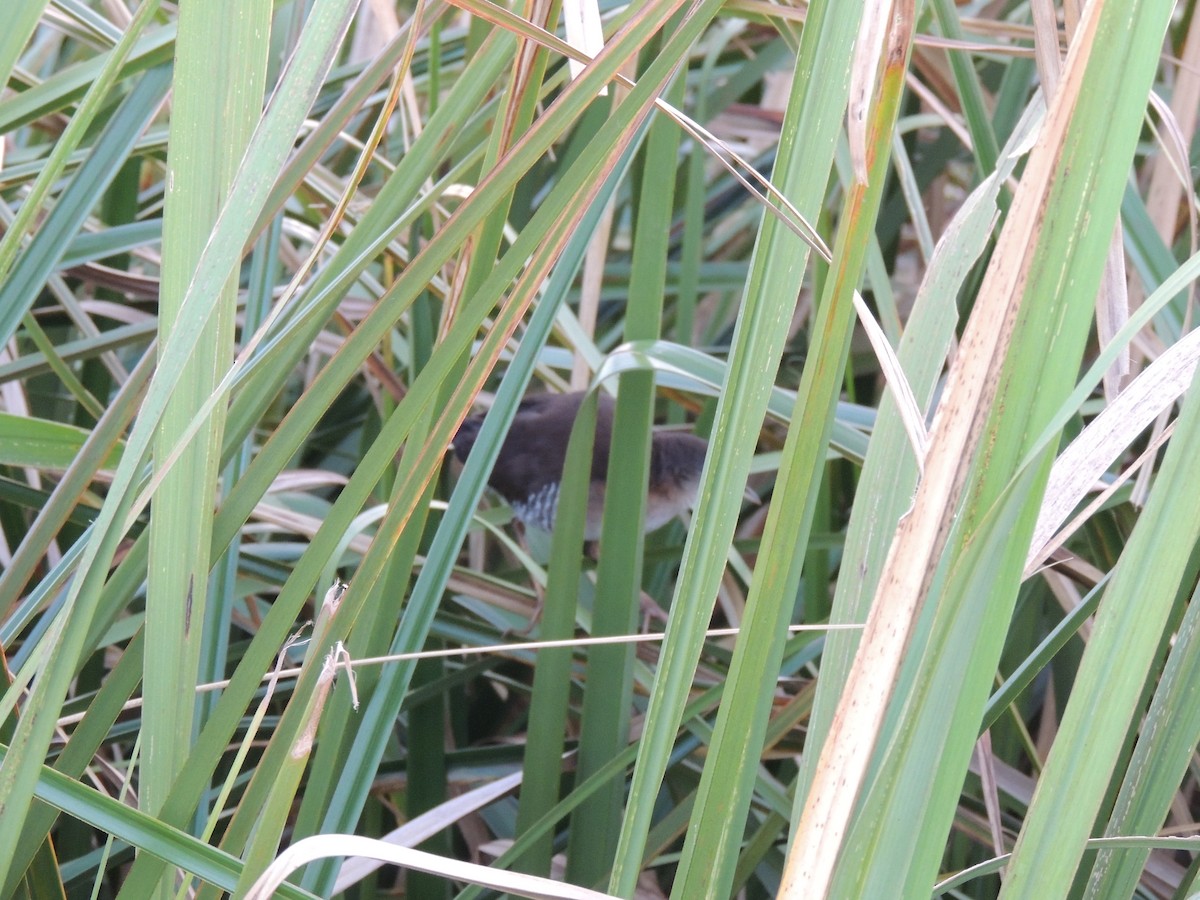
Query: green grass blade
point(108, 154)
point(233, 38)
point(1153, 774)
point(20, 27)
point(808, 133)
point(608, 693)
point(967, 635)
point(83, 119)
point(725, 788)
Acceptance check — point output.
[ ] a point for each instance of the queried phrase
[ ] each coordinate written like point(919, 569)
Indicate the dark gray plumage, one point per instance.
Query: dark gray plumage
point(530, 465)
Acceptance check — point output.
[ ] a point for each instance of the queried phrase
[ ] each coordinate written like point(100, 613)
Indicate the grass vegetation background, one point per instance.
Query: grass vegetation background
point(922, 273)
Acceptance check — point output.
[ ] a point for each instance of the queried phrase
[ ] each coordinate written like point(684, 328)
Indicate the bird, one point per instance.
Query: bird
point(529, 468)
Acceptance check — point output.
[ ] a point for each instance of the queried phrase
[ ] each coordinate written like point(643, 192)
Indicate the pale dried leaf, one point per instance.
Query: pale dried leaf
point(581, 20)
point(864, 76)
point(1112, 311)
point(1094, 450)
point(897, 382)
point(426, 825)
point(325, 846)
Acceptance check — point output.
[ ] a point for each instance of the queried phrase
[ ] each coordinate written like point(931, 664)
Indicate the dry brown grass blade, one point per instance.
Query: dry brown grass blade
point(912, 558)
